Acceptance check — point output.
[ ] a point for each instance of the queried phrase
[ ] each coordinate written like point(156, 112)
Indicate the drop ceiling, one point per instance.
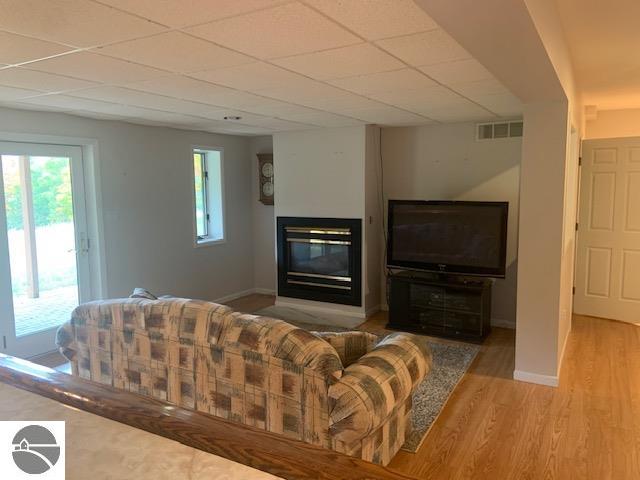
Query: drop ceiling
point(277, 64)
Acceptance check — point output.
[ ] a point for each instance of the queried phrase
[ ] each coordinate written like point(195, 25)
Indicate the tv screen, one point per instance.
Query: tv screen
point(448, 236)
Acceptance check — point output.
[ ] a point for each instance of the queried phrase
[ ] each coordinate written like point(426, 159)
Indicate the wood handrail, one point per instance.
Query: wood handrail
point(266, 451)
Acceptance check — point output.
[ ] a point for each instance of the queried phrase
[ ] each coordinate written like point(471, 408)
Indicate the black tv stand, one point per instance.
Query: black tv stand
point(440, 305)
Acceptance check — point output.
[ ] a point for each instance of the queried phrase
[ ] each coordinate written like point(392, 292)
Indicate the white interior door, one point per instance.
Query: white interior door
point(608, 255)
point(44, 262)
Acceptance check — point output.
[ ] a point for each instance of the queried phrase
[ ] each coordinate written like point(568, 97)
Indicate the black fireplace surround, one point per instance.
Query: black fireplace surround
point(320, 259)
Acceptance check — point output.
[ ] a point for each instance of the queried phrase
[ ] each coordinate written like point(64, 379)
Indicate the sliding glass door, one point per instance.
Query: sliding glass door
point(44, 267)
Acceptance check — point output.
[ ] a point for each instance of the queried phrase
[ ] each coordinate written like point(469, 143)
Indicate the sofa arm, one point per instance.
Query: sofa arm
point(375, 385)
point(65, 341)
point(349, 345)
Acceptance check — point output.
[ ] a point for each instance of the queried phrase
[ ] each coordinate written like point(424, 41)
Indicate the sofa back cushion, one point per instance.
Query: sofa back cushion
point(279, 339)
point(196, 322)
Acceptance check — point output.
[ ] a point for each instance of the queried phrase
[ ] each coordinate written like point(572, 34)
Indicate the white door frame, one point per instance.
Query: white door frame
point(42, 341)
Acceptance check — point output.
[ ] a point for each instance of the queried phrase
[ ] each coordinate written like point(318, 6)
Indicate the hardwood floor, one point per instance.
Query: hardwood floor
point(494, 427)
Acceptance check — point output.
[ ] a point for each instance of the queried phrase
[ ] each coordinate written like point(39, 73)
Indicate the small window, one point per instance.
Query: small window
point(485, 131)
point(207, 188)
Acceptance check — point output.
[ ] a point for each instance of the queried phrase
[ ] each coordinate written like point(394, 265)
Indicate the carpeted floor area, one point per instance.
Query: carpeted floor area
point(450, 362)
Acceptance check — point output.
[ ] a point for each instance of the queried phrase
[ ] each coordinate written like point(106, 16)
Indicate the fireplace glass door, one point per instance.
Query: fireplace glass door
point(317, 258)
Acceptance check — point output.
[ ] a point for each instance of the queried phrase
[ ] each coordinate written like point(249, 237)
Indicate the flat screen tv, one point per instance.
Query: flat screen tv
point(466, 238)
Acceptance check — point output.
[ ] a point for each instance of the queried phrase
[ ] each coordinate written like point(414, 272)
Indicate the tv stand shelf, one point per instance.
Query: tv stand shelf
point(437, 305)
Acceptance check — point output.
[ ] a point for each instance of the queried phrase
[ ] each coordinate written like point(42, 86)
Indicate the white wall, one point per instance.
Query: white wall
point(146, 183)
point(264, 232)
point(541, 330)
point(320, 173)
point(325, 173)
point(373, 251)
point(445, 162)
point(614, 124)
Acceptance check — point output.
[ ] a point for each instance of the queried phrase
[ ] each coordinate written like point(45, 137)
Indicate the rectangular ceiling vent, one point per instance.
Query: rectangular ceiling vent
point(489, 131)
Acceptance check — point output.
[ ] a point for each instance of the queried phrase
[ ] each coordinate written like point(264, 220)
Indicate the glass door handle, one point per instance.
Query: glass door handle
point(84, 245)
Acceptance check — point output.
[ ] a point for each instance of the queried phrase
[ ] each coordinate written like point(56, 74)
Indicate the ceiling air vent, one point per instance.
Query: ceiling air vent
point(489, 131)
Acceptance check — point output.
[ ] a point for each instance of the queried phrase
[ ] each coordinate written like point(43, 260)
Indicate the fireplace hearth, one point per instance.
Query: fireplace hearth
point(320, 259)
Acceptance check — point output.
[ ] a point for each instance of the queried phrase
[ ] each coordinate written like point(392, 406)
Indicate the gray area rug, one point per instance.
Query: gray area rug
point(450, 362)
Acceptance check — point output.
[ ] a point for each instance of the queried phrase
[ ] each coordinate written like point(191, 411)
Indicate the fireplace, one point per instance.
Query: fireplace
point(320, 259)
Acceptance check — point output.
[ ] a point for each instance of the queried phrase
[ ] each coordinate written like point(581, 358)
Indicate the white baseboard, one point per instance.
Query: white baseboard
point(502, 323)
point(244, 293)
point(233, 296)
point(549, 380)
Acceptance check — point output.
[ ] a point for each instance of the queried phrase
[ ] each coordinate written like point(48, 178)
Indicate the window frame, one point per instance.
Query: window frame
point(207, 240)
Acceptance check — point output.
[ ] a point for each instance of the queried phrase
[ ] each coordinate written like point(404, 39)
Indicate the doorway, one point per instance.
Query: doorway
point(608, 254)
point(44, 246)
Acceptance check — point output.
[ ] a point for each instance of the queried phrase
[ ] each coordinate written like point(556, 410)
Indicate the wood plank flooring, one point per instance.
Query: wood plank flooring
point(494, 427)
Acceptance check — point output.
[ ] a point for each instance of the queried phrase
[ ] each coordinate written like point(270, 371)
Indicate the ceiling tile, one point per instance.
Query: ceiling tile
point(238, 129)
point(241, 100)
point(435, 46)
point(148, 100)
point(375, 19)
point(426, 96)
point(198, 91)
point(97, 115)
point(90, 66)
point(342, 104)
point(251, 77)
point(506, 105)
point(341, 62)
point(189, 12)
point(41, 81)
point(488, 86)
point(281, 31)
point(68, 102)
point(12, 93)
point(277, 124)
point(309, 89)
point(465, 113)
point(179, 86)
point(82, 23)
point(324, 119)
point(405, 79)
point(18, 48)
point(469, 70)
point(280, 109)
point(29, 106)
point(176, 52)
point(454, 109)
point(166, 118)
point(385, 115)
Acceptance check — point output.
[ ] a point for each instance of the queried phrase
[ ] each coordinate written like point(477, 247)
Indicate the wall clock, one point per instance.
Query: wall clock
point(265, 174)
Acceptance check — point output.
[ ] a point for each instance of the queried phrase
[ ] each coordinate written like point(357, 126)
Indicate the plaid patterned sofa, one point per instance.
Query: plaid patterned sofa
point(342, 391)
